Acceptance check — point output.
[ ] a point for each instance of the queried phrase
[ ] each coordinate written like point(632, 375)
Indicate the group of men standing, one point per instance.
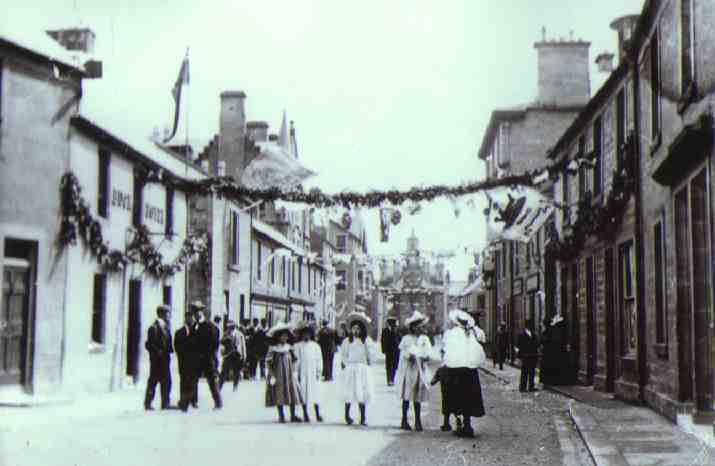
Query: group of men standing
point(196, 344)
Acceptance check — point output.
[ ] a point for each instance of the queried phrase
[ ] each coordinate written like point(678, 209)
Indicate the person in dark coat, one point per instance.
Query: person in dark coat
point(501, 345)
point(555, 359)
point(207, 344)
point(185, 343)
point(160, 347)
point(390, 342)
point(260, 348)
point(528, 351)
point(327, 340)
point(251, 361)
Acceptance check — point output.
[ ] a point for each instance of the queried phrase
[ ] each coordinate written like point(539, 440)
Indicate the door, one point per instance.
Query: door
point(590, 320)
point(610, 322)
point(575, 316)
point(134, 328)
point(14, 320)
point(684, 322)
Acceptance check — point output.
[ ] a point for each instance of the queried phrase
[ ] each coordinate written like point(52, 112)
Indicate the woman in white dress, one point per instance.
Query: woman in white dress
point(309, 368)
point(357, 353)
point(412, 378)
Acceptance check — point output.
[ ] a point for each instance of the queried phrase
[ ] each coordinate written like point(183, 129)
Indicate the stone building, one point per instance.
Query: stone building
point(516, 140)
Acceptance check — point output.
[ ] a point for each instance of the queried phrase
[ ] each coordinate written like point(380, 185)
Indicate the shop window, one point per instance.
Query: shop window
point(99, 306)
point(103, 188)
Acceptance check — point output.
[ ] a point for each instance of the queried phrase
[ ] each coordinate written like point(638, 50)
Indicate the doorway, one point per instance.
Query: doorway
point(134, 329)
point(590, 320)
point(610, 322)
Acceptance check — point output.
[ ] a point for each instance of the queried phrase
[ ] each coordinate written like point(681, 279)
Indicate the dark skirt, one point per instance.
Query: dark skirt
point(446, 385)
point(465, 394)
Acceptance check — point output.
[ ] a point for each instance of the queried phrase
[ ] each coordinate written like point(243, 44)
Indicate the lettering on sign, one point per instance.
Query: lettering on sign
point(154, 213)
point(121, 200)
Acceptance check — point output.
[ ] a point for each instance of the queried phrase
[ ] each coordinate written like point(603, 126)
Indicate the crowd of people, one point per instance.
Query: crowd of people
point(294, 360)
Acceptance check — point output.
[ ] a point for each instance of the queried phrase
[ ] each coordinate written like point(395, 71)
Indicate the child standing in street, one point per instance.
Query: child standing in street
point(411, 378)
point(282, 384)
point(310, 369)
point(357, 353)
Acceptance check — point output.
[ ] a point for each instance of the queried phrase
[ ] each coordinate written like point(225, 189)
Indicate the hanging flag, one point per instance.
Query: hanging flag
point(182, 79)
point(516, 213)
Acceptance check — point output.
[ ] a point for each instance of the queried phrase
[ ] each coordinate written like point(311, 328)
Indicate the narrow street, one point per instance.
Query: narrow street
point(114, 430)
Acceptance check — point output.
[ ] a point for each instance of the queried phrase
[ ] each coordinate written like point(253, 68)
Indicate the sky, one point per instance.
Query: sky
point(383, 94)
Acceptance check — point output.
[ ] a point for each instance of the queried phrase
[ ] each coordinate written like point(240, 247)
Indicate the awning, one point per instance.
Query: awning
point(689, 148)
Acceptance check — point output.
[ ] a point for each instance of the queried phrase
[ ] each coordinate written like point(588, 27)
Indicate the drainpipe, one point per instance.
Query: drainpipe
point(250, 267)
point(640, 250)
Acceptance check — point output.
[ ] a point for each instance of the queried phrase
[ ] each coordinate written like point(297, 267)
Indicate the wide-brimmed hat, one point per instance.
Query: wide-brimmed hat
point(280, 328)
point(461, 318)
point(197, 305)
point(358, 316)
point(416, 318)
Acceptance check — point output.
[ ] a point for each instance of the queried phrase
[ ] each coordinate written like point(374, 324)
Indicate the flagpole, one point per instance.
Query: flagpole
point(188, 100)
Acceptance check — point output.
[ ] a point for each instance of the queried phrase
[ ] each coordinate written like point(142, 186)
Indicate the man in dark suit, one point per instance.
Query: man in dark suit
point(160, 347)
point(528, 351)
point(260, 346)
point(207, 344)
point(326, 340)
point(185, 343)
point(390, 342)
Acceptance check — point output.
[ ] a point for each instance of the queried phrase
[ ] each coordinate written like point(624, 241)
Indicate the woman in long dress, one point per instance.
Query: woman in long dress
point(310, 369)
point(463, 354)
point(282, 383)
point(357, 353)
point(412, 378)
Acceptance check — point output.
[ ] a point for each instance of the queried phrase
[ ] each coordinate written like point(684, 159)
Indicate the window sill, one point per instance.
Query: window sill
point(661, 350)
point(96, 348)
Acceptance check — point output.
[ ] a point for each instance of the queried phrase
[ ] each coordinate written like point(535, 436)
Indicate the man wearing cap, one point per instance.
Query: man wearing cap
point(326, 340)
point(233, 349)
point(207, 343)
point(160, 347)
point(185, 343)
point(390, 342)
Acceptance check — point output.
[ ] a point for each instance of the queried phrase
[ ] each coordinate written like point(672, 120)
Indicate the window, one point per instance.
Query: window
point(581, 170)
point(242, 308)
point(620, 126)
point(341, 242)
point(627, 298)
point(99, 304)
point(169, 225)
point(259, 261)
point(566, 198)
point(655, 86)
point(517, 251)
point(687, 70)
point(273, 268)
point(138, 201)
point(597, 151)
point(360, 279)
point(300, 274)
point(227, 302)
point(103, 193)
point(528, 255)
point(166, 296)
point(342, 277)
point(660, 306)
point(292, 276)
point(497, 265)
point(503, 261)
point(284, 273)
point(234, 250)
point(309, 280)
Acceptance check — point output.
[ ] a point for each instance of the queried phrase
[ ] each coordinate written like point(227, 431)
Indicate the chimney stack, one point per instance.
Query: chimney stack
point(625, 26)
point(257, 131)
point(232, 133)
point(605, 62)
point(563, 67)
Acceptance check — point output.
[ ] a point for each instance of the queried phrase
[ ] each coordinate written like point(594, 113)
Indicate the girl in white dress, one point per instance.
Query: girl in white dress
point(310, 368)
point(412, 378)
point(357, 353)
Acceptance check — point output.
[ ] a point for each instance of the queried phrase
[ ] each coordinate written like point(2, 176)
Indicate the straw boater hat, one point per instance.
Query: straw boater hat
point(416, 318)
point(279, 328)
point(461, 318)
point(358, 317)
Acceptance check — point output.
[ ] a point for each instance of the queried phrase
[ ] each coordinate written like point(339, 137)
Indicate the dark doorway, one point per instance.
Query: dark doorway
point(134, 328)
point(610, 322)
point(590, 320)
point(684, 323)
point(575, 317)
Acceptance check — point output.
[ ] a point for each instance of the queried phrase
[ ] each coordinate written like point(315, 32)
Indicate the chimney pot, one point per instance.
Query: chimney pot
point(257, 131)
point(625, 27)
point(605, 62)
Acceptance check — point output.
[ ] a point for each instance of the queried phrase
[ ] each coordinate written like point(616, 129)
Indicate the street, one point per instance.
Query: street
point(114, 430)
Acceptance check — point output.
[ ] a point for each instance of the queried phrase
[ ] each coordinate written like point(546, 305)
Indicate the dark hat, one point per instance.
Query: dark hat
point(163, 308)
point(197, 305)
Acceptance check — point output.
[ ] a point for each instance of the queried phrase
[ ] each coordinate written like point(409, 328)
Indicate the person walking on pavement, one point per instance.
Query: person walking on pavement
point(527, 348)
point(186, 351)
point(159, 345)
point(463, 354)
point(207, 341)
point(390, 342)
point(412, 379)
point(357, 353)
point(260, 347)
point(251, 361)
point(501, 344)
point(282, 381)
point(233, 350)
point(309, 368)
point(327, 340)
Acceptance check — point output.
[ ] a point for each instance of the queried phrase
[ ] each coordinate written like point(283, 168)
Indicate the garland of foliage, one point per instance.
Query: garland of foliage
point(601, 221)
point(77, 221)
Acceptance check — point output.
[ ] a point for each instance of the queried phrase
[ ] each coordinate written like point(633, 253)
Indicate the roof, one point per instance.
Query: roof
point(141, 148)
point(38, 42)
point(498, 116)
point(276, 236)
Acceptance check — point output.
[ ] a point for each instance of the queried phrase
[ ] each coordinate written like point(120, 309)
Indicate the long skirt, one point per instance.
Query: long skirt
point(356, 384)
point(466, 393)
point(447, 384)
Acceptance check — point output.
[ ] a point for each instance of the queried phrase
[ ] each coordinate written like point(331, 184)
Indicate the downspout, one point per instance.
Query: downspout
point(250, 266)
point(640, 250)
